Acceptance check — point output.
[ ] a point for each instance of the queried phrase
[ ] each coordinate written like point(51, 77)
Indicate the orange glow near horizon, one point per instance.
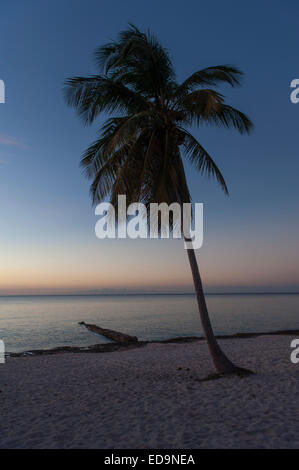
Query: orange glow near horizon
point(142, 266)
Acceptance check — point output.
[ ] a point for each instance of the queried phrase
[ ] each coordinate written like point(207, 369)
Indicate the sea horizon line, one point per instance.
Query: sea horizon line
point(123, 294)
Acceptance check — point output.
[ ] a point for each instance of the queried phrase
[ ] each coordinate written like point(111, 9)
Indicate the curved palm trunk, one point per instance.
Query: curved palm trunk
point(222, 363)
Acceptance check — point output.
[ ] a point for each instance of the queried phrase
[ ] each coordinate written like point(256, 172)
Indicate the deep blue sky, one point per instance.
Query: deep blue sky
point(47, 223)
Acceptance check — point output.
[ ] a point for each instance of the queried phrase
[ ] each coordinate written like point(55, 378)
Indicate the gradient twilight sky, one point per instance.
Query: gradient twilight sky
point(47, 235)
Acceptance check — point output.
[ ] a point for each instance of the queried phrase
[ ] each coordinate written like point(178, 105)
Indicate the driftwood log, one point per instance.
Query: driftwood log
point(114, 335)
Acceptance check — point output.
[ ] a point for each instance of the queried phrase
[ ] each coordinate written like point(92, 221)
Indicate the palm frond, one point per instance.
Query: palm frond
point(199, 105)
point(228, 117)
point(97, 154)
point(208, 106)
point(202, 161)
point(92, 95)
point(211, 76)
point(105, 176)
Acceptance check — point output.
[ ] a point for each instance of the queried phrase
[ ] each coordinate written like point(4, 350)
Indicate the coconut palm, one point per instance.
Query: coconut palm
point(141, 145)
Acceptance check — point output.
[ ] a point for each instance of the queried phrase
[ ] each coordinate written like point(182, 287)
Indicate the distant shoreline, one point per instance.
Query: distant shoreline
point(113, 347)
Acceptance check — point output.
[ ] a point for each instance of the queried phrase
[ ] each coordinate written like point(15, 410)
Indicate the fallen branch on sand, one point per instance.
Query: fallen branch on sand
point(114, 335)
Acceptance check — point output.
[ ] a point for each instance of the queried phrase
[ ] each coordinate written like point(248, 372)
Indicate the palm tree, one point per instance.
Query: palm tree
point(139, 152)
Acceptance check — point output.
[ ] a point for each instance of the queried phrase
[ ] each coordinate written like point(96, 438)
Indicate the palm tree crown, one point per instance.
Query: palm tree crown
point(139, 152)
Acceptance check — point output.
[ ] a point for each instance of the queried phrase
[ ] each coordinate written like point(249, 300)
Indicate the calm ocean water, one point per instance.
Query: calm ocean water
point(46, 322)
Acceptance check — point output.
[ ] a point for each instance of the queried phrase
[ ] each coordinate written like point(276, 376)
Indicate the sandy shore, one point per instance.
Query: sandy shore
point(150, 397)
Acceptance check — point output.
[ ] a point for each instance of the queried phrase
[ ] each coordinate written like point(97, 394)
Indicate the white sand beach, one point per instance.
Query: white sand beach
point(150, 398)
